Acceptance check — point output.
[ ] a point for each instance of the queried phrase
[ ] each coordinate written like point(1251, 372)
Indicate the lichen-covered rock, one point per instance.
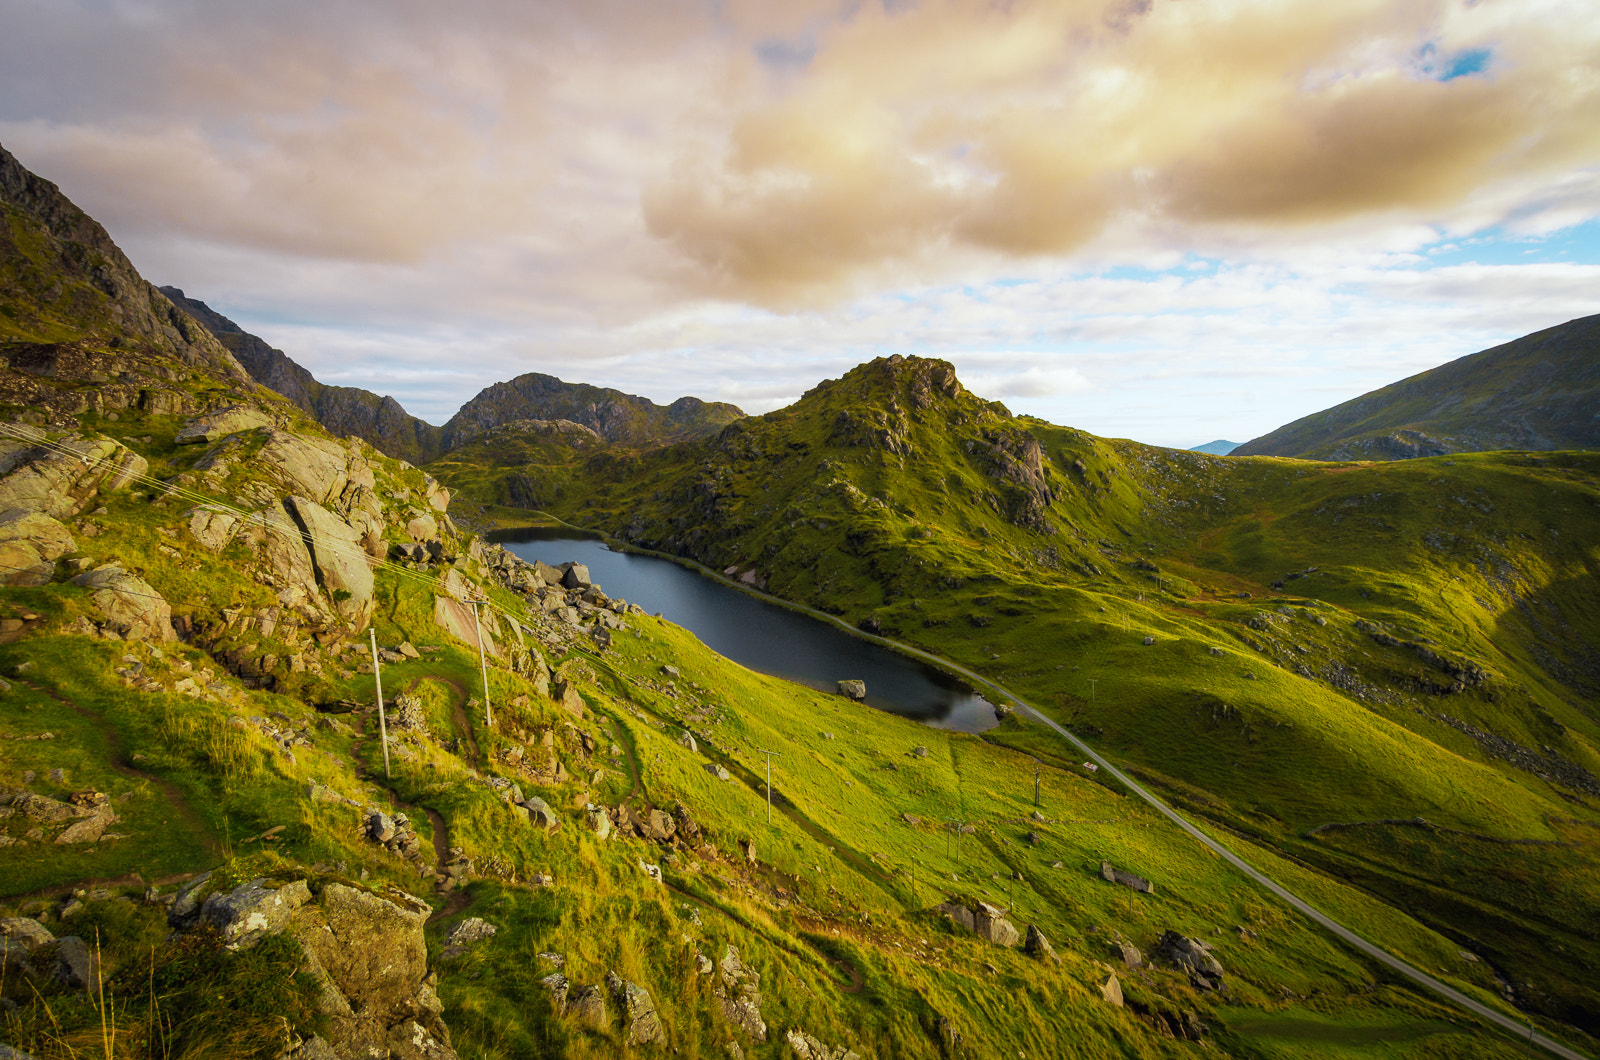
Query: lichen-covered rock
point(131, 606)
point(808, 1048)
point(253, 910)
point(472, 929)
point(30, 544)
point(853, 689)
point(212, 528)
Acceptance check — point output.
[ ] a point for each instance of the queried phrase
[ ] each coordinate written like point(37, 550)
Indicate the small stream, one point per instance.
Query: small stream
point(760, 635)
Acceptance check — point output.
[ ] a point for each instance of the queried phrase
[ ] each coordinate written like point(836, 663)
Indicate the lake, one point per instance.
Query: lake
point(760, 635)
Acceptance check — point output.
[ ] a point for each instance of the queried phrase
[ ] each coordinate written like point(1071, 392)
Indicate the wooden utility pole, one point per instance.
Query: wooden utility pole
point(769, 755)
point(1036, 770)
point(483, 665)
point(377, 684)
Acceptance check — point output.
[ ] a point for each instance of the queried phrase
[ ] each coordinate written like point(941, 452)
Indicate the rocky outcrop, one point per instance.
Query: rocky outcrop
point(219, 423)
point(983, 920)
point(366, 951)
point(1039, 946)
point(133, 610)
point(806, 1047)
point(853, 689)
point(739, 996)
point(59, 478)
point(466, 934)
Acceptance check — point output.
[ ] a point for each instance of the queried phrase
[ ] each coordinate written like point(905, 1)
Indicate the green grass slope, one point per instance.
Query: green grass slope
point(1537, 392)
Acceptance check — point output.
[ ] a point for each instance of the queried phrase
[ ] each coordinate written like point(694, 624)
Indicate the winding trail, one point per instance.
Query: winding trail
point(117, 760)
point(1522, 1031)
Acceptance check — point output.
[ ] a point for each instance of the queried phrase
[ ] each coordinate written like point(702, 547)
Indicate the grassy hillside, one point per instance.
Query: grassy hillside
point(1364, 644)
point(1538, 392)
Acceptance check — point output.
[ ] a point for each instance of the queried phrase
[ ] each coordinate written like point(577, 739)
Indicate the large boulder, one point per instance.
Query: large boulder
point(576, 576)
point(1039, 946)
point(853, 689)
point(219, 423)
point(30, 544)
point(132, 608)
point(59, 479)
point(340, 558)
point(212, 526)
point(369, 953)
point(991, 925)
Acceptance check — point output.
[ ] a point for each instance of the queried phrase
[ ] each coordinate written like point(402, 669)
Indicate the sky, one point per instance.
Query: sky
point(1169, 220)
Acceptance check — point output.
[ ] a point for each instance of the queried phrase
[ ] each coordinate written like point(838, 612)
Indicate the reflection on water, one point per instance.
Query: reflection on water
point(763, 636)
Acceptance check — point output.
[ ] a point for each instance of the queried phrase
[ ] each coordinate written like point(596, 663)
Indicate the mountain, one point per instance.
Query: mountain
point(621, 419)
point(1538, 392)
point(1216, 448)
point(343, 410)
point(66, 283)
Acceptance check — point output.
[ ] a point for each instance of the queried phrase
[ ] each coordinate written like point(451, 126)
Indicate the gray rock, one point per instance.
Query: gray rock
point(339, 556)
point(1111, 990)
point(1127, 879)
point(1039, 946)
point(369, 954)
point(8, 1053)
point(717, 771)
point(1130, 954)
point(659, 826)
point(25, 931)
point(380, 827)
point(253, 910)
point(540, 814)
point(1192, 955)
point(639, 1019)
point(89, 829)
point(132, 608)
point(186, 905)
point(576, 577)
point(587, 1005)
point(465, 933)
point(960, 914)
point(991, 925)
point(76, 965)
point(687, 740)
point(599, 821)
point(60, 480)
point(853, 689)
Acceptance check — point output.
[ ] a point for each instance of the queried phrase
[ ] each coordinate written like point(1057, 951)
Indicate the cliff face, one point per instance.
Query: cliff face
point(1538, 392)
point(343, 410)
point(621, 419)
point(65, 281)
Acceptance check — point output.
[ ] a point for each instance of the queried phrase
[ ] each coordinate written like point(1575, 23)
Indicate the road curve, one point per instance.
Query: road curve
point(1521, 1031)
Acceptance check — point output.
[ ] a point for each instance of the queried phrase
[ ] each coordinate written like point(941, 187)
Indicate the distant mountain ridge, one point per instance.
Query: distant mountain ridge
point(343, 410)
point(1220, 447)
point(1537, 392)
point(621, 419)
point(617, 418)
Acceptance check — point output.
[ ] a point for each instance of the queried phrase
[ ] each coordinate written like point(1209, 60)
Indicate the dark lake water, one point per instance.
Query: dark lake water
point(763, 636)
